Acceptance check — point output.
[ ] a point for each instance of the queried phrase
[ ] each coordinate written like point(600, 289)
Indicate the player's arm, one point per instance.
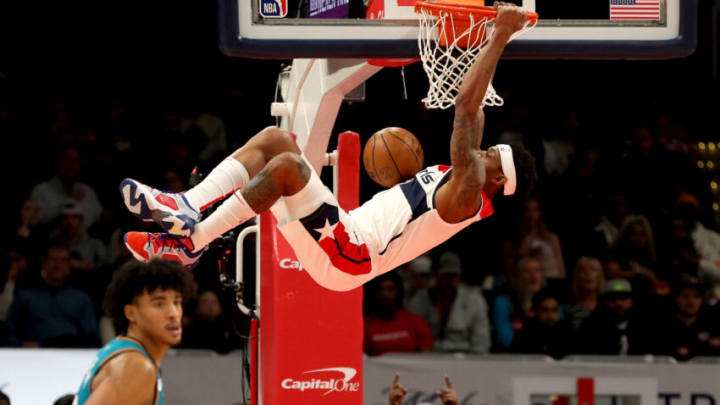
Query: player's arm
point(460, 197)
point(128, 379)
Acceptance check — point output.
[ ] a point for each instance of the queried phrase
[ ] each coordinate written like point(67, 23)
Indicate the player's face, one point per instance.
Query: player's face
point(491, 159)
point(158, 315)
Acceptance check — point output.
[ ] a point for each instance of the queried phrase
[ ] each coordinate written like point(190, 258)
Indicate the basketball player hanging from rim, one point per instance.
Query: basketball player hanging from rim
point(342, 250)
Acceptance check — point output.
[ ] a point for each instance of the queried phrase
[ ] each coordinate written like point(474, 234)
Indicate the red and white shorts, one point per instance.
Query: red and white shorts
point(335, 253)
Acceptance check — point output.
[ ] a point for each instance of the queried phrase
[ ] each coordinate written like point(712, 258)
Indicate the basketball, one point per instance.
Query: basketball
point(392, 155)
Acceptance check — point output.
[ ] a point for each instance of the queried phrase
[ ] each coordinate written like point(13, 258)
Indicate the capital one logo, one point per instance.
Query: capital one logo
point(329, 385)
point(291, 264)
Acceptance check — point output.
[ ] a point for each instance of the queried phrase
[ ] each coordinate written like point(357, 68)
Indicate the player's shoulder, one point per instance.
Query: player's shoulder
point(129, 372)
point(130, 365)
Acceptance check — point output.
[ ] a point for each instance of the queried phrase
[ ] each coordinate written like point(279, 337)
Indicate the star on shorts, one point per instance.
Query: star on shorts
point(326, 231)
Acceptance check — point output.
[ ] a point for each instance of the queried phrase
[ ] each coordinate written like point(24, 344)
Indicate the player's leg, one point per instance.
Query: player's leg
point(178, 213)
point(285, 174)
point(244, 164)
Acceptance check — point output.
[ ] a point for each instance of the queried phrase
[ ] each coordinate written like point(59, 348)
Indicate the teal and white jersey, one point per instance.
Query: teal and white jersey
point(116, 347)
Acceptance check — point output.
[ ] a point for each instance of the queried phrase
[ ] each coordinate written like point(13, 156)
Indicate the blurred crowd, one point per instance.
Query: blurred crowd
point(617, 251)
point(66, 239)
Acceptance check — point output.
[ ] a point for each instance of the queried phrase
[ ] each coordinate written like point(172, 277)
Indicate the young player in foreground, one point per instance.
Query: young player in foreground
point(145, 301)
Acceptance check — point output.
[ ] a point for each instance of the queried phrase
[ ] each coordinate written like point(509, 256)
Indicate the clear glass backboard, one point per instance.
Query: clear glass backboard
point(594, 29)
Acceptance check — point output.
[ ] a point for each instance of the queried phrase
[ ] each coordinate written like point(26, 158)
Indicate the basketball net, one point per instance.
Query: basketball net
point(448, 47)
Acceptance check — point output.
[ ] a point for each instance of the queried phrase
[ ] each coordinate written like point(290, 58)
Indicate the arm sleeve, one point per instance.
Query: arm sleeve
point(501, 318)
point(480, 332)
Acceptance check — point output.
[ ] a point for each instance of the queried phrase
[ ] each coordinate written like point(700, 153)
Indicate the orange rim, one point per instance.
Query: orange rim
point(462, 9)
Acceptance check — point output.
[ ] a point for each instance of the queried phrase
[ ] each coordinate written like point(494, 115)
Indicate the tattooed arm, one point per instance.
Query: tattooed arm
point(460, 198)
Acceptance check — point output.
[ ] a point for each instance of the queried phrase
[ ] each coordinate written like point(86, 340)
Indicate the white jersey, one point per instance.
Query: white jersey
point(343, 250)
point(402, 223)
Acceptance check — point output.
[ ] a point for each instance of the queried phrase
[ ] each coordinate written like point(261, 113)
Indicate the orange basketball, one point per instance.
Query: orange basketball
point(392, 155)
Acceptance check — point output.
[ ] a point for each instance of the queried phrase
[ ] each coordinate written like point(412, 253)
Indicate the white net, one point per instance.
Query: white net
point(447, 52)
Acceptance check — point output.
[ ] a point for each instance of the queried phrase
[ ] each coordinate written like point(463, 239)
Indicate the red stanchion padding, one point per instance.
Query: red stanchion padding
point(254, 362)
point(310, 337)
point(349, 170)
point(586, 391)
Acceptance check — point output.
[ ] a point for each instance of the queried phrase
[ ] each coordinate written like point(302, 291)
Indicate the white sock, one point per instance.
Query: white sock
point(228, 176)
point(231, 213)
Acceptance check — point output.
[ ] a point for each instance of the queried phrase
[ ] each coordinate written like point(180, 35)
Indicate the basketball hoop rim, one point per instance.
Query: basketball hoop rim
point(461, 10)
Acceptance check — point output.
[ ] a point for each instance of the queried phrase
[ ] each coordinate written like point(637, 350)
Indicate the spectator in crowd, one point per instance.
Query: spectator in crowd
point(417, 276)
point(52, 196)
point(389, 327)
point(632, 256)
point(544, 332)
point(679, 255)
point(538, 241)
point(210, 329)
point(212, 129)
point(447, 395)
point(614, 328)
point(28, 232)
point(608, 228)
point(511, 308)
point(587, 285)
point(52, 315)
point(649, 173)
point(690, 331)
point(86, 252)
point(458, 316)
point(705, 241)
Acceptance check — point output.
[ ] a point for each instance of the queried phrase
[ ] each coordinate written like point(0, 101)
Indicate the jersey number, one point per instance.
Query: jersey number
point(425, 176)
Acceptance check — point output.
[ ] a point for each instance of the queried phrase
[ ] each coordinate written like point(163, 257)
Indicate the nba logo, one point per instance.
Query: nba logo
point(273, 8)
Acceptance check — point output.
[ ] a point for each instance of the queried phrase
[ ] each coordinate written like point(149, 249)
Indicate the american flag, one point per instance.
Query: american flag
point(635, 9)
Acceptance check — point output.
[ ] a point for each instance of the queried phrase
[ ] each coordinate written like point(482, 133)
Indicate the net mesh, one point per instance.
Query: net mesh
point(447, 50)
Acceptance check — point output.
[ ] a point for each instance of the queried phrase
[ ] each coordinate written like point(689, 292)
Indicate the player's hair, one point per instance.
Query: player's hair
point(135, 278)
point(4, 398)
point(525, 170)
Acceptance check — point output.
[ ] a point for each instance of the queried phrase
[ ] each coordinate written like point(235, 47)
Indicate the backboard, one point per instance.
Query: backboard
point(589, 29)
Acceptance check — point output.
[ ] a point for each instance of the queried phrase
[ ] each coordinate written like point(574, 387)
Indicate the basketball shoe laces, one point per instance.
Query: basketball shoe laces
point(169, 242)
